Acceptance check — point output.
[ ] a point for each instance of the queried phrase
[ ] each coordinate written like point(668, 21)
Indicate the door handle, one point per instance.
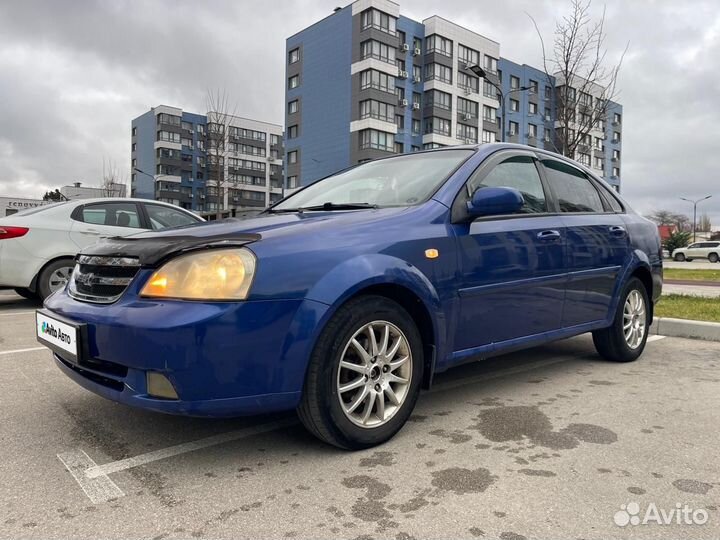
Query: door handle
point(617, 230)
point(548, 236)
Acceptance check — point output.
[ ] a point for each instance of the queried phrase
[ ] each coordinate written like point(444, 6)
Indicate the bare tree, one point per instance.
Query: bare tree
point(704, 224)
point(217, 146)
point(585, 85)
point(112, 180)
point(666, 217)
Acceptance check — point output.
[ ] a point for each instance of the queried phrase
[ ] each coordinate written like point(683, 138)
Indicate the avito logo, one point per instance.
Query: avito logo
point(57, 333)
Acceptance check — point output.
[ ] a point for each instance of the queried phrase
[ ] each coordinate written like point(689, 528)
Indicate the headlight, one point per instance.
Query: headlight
point(217, 274)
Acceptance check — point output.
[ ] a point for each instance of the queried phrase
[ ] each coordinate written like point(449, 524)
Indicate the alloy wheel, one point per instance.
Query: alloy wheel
point(374, 375)
point(634, 319)
point(59, 278)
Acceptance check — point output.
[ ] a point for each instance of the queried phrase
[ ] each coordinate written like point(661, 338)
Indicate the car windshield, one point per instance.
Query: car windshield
point(397, 181)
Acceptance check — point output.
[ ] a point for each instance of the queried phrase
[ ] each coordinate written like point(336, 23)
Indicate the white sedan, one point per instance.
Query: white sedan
point(37, 246)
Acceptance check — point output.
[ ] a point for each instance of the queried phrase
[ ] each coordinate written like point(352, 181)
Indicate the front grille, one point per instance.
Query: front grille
point(101, 280)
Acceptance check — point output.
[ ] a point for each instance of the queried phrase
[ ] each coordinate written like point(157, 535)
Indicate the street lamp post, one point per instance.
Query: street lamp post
point(480, 72)
point(695, 203)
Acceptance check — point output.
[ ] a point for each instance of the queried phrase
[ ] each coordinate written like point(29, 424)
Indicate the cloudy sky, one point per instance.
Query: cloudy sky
point(74, 73)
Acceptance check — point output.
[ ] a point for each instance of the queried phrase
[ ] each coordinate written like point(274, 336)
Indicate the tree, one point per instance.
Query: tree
point(216, 146)
point(677, 240)
point(54, 196)
point(584, 85)
point(112, 180)
point(704, 224)
point(666, 217)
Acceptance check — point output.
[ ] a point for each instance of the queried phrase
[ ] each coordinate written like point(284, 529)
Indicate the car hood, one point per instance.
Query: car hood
point(151, 248)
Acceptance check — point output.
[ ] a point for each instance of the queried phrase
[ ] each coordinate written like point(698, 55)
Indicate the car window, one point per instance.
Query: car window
point(162, 217)
point(693, 246)
point(517, 172)
point(112, 215)
point(574, 191)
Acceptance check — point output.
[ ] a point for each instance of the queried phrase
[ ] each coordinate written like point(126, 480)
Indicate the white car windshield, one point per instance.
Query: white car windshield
point(397, 181)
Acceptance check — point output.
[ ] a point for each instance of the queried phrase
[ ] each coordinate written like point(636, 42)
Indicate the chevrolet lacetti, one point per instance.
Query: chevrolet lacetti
point(344, 299)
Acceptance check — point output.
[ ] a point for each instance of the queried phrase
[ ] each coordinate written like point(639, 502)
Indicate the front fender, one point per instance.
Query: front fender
point(363, 271)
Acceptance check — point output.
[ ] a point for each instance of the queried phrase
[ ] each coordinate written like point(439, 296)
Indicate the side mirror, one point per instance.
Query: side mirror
point(493, 201)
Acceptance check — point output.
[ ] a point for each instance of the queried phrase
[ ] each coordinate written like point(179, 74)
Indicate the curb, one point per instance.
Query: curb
point(683, 328)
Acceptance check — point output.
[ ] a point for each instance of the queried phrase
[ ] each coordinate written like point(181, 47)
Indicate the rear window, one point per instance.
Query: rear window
point(574, 191)
point(112, 215)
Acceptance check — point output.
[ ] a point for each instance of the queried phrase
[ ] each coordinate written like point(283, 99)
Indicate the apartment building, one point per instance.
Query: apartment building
point(171, 160)
point(367, 82)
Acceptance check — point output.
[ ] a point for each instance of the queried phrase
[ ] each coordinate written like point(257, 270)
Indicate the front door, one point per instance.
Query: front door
point(512, 267)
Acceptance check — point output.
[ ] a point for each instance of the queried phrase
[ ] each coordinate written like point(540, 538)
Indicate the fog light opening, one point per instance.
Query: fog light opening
point(159, 386)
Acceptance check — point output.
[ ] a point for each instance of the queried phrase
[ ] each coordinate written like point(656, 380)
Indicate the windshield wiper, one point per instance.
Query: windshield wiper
point(327, 207)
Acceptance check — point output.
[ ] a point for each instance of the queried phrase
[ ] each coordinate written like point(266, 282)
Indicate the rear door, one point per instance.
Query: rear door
point(598, 245)
point(93, 221)
point(513, 266)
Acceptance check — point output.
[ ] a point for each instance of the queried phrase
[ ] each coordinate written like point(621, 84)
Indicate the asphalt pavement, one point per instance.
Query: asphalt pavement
point(551, 442)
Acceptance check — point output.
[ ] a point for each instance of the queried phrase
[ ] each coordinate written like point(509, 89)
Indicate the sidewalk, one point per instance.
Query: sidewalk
point(686, 287)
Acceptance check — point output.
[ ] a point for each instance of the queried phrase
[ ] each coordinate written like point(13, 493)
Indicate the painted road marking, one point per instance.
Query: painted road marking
point(99, 488)
point(655, 338)
point(98, 471)
point(13, 313)
point(24, 350)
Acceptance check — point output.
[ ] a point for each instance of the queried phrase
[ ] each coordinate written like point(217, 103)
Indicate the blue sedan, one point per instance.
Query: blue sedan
point(344, 299)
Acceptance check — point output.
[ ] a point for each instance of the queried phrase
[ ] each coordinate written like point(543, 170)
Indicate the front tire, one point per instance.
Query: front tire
point(680, 257)
point(54, 277)
point(713, 257)
point(625, 340)
point(364, 375)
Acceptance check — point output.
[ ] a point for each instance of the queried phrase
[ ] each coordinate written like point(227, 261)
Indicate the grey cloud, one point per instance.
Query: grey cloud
point(73, 75)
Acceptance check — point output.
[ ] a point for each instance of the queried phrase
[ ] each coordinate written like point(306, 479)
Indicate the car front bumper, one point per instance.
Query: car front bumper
point(223, 359)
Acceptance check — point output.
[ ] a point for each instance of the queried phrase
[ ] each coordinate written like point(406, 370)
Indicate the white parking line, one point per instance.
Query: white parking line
point(24, 350)
point(655, 338)
point(98, 471)
point(99, 488)
point(13, 313)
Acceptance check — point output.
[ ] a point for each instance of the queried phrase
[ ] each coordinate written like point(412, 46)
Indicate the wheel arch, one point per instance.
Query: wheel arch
point(33, 283)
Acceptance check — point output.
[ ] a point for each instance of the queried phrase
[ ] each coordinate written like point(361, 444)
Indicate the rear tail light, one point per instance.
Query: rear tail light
point(12, 232)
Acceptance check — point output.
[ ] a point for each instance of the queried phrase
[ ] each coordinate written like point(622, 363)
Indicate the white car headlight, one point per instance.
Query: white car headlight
point(216, 274)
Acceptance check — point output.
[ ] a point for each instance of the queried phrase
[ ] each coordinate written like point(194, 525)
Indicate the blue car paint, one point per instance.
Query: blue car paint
point(482, 295)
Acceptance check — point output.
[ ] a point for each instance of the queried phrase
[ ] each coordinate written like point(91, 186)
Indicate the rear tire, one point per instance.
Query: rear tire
point(331, 413)
point(625, 340)
point(26, 293)
point(54, 277)
point(713, 257)
point(680, 257)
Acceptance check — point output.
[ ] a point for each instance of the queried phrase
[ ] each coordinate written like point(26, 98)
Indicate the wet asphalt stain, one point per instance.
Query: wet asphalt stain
point(502, 424)
point(537, 472)
point(417, 418)
point(383, 459)
point(657, 475)
point(499, 514)
point(601, 383)
point(335, 511)
point(636, 490)
point(462, 481)
point(692, 486)
point(512, 536)
point(645, 430)
point(475, 531)
point(442, 413)
point(602, 470)
point(370, 507)
point(455, 437)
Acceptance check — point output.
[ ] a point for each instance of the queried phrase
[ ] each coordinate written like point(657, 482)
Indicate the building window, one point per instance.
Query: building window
point(601, 125)
point(586, 99)
point(532, 107)
point(376, 140)
point(547, 114)
point(438, 72)
point(488, 136)
point(598, 162)
point(416, 127)
point(616, 172)
point(377, 50)
point(467, 107)
point(468, 82)
point(134, 131)
point(417, 98)
point(294, 81)
point(471, 57)
point(400, 93)
point(168, 119)
point(133, 147)
point(414, 148)
point(371, 78)
point(490, 64)
point(533, 86)
point(436, 98)
point(467, 133)
point(514, 82)
point(274, 139)
point(292, 182)
point(400, 64)
point(417, 73)
point(616, 155)
point(532, 131)
point(399, 148)
point(373, 18)
point(168, 136)
point(616, 136)
point(400, 122)
point(548, 93)
point(489, 114)
point(489, 90)
point(438, 44)
point(293, 106)
point(292, 132)
point(514, 129)
point(294, 55)
point(292, 156)
point(617, 118)
point(417, 45)
point(546, 135)
point(375, 109)
point(439, 126)
point(514, 105)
